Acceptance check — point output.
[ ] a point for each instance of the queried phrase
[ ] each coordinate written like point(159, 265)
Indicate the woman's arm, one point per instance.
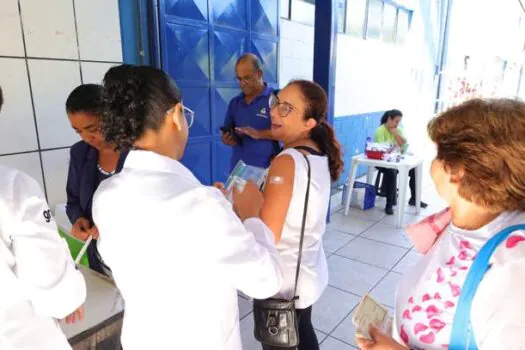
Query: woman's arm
point(400, 140)
point(73, 209)
point(278, 194)
point(43, 263)
point(81, 228)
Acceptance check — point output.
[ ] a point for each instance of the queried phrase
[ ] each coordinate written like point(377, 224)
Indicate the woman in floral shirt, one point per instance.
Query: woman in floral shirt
point(480, 172)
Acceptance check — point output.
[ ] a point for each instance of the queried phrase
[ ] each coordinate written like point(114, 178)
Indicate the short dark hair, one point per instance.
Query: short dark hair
point(135, 99)
point(251, 58)
point(85, 98)
point(484, 138)
point(390, 115)
point(1, 98)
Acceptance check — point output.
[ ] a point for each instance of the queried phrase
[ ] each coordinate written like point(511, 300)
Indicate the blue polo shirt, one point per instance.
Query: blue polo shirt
point(256, 115)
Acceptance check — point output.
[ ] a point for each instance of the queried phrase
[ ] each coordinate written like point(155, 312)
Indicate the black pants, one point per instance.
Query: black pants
point(389, 185)
point(307, 336)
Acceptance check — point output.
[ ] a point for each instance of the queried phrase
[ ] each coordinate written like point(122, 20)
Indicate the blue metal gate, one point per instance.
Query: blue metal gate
point(200, 41)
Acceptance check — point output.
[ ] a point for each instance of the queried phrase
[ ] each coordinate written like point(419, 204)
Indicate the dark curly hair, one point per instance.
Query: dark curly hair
point(85, 98)
point(135, 99)
point(323, 134)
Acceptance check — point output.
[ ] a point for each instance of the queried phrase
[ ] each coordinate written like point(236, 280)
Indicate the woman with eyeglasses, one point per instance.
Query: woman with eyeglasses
point(298, 117)
point(92, 160)
point(177, 250)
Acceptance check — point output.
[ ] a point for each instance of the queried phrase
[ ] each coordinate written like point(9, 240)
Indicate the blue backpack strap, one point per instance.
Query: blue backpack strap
point(462, 336)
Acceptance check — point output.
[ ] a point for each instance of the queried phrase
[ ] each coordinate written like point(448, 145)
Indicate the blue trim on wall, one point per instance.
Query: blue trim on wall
point(325, 47)
point(352, 131)
point(134, 29)
point(156, 55)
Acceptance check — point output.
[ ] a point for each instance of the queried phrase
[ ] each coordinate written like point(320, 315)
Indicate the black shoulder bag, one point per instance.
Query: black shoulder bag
point(275, 319)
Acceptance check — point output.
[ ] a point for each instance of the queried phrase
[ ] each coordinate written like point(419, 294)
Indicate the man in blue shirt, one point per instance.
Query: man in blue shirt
point(247, 126)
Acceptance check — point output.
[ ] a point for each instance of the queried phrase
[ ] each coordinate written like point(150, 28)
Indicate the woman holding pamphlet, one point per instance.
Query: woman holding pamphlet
point(92, 161)
point(177, 250)
point(467, 290)
point(296, 200)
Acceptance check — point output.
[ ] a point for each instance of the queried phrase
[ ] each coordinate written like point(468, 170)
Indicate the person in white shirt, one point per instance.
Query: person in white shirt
point(177, 250)
point(38, 279)
point(299, 121)
point(479, 171)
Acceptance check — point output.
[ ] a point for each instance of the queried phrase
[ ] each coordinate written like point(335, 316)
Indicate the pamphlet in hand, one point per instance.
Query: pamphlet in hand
point(370, 312)
point(243, 173)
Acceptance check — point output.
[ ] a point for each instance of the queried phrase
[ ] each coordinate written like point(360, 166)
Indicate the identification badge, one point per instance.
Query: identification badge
point(263, 113)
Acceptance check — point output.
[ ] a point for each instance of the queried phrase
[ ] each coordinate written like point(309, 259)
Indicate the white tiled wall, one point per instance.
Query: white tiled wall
point(47, 48)
point(371, 75)
point(10, 23)
point(296, 51)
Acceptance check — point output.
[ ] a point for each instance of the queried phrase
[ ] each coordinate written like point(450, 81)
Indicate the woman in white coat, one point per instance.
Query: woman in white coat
point(176, 248)
point(38, 279)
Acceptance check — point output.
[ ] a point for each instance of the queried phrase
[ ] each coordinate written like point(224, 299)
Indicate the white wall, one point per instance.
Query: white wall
point(371, 75)
point(47, 49)
point(296, 52)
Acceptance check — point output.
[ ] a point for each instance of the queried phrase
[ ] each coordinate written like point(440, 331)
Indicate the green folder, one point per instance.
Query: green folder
point(75, 246)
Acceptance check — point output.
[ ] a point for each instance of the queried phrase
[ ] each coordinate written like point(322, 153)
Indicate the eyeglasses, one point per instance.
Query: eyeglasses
point(245, 80)
point(188, 114)
point(284, 108)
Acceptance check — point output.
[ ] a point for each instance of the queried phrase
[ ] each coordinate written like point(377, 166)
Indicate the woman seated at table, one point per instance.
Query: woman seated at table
point(91, 161)
point(390, 132)
point(479, 172)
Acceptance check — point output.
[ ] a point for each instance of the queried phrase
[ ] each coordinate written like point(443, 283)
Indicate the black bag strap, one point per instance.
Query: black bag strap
point(310, 150)
point(305, 211)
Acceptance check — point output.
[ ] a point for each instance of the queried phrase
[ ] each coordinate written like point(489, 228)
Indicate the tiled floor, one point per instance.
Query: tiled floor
point(366, 254)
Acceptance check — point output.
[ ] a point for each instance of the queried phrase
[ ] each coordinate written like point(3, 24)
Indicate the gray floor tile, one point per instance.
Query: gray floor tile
point(332, 308)
point(242, 295)
point(388, 234)
point(334, 344)
point(334, 240)
point(372, 252)
point(373, 214)
point(407, 262)
point(408, 219)
point(248, 340)
point(385, 291)
point(245, 307)
point(353, 276)
point(320, 336)
point(345, 331)
point(349, 224)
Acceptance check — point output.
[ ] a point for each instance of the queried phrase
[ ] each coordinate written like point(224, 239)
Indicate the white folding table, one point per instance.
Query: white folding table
point(406, 164)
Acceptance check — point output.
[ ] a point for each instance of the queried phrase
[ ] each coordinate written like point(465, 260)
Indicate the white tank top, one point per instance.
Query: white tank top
point(313, 275)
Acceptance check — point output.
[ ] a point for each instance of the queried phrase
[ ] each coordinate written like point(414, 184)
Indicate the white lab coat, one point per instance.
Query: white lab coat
point(38, 279)
point(178, 255)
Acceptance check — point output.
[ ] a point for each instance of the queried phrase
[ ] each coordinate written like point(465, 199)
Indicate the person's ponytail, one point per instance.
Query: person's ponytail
point(324, 136)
